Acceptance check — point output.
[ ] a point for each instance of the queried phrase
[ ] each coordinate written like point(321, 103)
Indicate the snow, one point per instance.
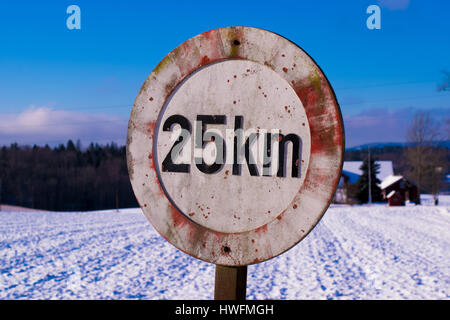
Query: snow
point(355, 252)
point(389, 180)
point(391, 194)
point(428, 200)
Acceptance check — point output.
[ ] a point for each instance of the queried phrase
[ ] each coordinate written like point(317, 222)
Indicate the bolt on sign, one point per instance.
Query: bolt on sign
point(235, 145)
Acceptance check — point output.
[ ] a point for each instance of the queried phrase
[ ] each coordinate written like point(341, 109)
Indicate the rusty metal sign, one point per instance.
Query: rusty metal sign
point(235, 146)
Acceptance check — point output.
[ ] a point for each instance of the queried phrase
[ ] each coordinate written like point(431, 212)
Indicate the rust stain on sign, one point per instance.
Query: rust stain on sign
point(236, 77)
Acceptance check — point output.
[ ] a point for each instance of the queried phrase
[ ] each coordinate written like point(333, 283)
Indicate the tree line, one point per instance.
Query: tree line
point(65, 178)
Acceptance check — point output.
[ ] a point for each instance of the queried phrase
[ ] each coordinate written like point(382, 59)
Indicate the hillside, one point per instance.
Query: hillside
point(355, 252)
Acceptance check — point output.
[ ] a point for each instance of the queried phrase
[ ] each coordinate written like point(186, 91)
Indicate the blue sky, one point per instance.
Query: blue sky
point(57, 84)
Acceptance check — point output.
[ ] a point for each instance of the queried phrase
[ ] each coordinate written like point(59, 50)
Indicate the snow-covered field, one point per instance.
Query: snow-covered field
point(357, 252)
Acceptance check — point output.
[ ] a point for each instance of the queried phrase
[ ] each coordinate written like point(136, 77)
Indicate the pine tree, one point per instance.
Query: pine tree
point(363, 182)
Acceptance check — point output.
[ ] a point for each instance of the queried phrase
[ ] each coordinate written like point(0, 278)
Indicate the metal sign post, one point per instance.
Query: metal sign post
point(234, 149)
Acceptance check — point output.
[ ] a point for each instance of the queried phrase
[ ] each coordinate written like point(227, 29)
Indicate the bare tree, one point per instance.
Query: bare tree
point(445, 85)
point(422, 154)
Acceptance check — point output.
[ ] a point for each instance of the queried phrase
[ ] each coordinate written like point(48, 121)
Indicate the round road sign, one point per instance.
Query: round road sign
point(235, 146)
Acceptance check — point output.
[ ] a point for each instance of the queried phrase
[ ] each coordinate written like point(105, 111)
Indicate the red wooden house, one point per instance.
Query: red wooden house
point(398, 189)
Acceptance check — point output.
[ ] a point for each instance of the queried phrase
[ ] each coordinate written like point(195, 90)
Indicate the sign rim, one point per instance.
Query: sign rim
point(327, 146)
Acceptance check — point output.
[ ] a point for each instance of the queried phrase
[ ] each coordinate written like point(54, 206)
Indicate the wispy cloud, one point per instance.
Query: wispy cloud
point(382, 125)
point(41, 125)
point(394, 4)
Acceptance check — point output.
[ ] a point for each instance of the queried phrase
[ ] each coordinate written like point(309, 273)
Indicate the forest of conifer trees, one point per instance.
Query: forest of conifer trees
point(65, 178)
point(71, 178)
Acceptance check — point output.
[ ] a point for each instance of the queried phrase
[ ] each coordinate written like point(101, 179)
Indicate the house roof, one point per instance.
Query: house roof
point(389, 180)
point(352, 177)
point(391, 194)
point(353, 171)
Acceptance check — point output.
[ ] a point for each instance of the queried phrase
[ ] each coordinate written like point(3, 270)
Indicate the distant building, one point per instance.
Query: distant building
point(395, 199)
point(350, 174)
point(400, 189)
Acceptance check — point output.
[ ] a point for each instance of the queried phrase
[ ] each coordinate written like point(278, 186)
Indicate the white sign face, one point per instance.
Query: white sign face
point(235, 146)
point(238, 195)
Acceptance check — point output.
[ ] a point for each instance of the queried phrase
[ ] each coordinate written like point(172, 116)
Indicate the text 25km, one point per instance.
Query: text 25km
point(242, 147)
